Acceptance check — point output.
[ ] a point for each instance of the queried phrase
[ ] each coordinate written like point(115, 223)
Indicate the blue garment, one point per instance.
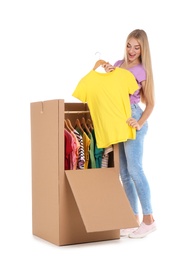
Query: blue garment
point(132, 175)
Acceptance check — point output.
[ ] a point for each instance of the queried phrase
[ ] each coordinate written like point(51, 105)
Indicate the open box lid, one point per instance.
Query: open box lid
point(101, 200)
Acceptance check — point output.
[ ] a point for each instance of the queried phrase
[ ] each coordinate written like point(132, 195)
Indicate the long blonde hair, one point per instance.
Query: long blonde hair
point(145, 59)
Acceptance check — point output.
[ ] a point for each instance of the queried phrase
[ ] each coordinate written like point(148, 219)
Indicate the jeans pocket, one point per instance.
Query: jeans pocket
point(137, 113)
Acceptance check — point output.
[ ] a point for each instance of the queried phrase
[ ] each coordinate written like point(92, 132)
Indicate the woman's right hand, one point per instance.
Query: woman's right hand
point(108, 67)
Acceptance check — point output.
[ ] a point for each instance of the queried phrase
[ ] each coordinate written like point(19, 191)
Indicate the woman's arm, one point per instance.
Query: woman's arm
point(146, 113)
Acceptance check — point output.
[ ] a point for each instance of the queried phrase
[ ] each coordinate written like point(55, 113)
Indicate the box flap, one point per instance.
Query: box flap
point(101, 200)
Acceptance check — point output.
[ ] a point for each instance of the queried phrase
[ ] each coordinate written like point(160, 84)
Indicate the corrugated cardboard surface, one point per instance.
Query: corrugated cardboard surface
point(70, 207)
point(45, 178)
point(101, 199)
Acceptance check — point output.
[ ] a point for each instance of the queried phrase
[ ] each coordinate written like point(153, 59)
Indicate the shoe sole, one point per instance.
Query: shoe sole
point(142, 236)
point(126, 235)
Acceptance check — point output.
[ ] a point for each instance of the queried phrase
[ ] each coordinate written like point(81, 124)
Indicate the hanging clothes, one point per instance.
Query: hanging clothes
point(98, 152)
point(105, 158)
point(81, 152)
point(92, 162)
point(86, 146)
point(67, 149)
point(75, 152)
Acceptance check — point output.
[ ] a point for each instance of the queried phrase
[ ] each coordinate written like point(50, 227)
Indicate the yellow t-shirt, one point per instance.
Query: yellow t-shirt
point(107, 96)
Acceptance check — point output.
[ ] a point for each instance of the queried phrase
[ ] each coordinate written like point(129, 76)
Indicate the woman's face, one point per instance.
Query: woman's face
point(133, 50)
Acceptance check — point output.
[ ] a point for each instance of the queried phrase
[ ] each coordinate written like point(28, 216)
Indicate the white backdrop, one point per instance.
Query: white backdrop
point(45, 49)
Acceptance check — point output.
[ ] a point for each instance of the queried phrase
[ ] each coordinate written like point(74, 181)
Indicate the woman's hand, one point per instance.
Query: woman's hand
point(133, 123)
point(108, 67)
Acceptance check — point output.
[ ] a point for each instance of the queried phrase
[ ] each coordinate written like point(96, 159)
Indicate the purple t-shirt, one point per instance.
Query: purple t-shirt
point(140, 75)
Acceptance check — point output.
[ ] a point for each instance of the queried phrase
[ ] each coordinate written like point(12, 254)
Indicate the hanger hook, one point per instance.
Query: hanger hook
point(98, 54)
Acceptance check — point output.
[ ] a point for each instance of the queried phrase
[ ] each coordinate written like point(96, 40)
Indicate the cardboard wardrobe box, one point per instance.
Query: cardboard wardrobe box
point(72, 206)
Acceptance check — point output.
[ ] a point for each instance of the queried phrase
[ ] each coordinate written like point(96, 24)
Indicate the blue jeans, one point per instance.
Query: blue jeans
point(131, 170)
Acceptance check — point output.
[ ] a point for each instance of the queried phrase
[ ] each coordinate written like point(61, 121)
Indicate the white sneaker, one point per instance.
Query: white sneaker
point(143, 230)
point(126, 232)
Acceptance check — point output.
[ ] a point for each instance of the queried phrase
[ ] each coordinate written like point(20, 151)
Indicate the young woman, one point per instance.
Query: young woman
point(137, 59)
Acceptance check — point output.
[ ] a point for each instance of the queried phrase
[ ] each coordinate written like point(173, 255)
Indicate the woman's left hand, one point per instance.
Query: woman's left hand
point(133, 123)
